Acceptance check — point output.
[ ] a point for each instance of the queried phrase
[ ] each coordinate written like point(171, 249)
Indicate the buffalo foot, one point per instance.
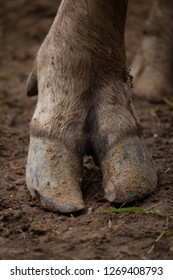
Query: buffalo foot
point(152, 66)
point(128, 172)
point(54, 175)
point(151, 70)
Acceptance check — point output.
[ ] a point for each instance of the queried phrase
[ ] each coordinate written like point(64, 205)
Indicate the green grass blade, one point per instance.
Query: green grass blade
point(168, 232)
point(126, 209)
point(134, 209)
point(155, 212)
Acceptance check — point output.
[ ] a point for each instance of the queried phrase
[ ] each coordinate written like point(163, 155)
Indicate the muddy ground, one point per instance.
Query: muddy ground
point(26, 230)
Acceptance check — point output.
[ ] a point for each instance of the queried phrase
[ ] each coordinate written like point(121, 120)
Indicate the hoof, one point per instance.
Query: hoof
point(128, 172)
point(53, 174)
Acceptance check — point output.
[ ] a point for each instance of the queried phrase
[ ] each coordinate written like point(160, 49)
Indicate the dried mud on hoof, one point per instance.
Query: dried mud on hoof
point(128, 172)
point(54, 175)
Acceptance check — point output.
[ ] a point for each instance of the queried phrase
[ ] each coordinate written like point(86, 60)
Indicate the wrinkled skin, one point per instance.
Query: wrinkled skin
point(85, 107)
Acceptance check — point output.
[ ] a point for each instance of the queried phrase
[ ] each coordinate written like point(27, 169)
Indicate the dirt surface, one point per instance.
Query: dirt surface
point(26, 230)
